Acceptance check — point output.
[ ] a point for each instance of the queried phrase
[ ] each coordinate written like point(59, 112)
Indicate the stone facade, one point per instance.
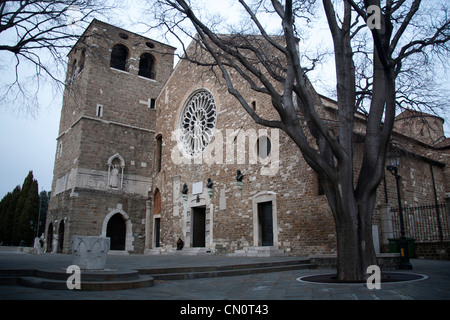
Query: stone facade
point(120, 152)
point(231, 208)
point(103, 163)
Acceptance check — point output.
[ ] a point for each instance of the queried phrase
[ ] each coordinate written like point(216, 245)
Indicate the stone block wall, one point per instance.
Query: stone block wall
point(435, 251)
point(85, 212)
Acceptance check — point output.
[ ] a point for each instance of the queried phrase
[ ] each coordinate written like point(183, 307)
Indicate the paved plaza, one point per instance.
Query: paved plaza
point(263, 286)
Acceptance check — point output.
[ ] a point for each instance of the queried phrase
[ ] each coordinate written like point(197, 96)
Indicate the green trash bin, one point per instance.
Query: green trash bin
point(411, 248)
point(393, 246)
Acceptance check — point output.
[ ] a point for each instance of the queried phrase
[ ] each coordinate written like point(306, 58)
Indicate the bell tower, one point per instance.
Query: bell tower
point(106, 141)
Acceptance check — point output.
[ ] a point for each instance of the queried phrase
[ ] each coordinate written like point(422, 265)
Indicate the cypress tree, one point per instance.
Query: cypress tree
point(19, 212)
point(29, 215)
point(24, 211)
point(44, 197)
point(8, 215)
point(7, 212)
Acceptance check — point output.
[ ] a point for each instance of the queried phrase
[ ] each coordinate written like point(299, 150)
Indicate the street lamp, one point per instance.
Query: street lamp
point(394, 163)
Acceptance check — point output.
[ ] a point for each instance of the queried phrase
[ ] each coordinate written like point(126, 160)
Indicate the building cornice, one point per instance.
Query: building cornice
point(116, 123)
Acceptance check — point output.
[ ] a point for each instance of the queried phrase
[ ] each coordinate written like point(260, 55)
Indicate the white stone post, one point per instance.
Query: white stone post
point(387, 229)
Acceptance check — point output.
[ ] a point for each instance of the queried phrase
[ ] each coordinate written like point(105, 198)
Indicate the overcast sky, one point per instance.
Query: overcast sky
point(28, 139)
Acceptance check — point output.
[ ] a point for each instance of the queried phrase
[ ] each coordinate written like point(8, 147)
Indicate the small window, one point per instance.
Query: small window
point(152, 103)
point(263, 147)
point(119, 57)
point(73, 72)
point(59, 151)
point(149, 44)
point(82, 58)
point(123, 35)
point(158, 153)
point(146, 66)
point(99, 112)
point(254, 105)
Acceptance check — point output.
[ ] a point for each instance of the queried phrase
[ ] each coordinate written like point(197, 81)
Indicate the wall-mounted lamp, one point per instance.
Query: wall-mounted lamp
point(239, 176)
point(184, 192)
point(185, 189)
point(209, 185)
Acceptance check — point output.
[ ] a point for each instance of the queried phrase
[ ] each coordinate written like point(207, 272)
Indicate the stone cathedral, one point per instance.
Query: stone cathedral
point(148, 153)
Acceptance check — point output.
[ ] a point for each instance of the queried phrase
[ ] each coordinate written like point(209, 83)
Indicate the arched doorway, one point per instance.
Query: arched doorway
point(116, 230)
point(61, 237)
point(50, 237)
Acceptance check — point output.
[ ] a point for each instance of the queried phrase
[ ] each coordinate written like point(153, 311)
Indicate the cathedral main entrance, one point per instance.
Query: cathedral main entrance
point(198, 226)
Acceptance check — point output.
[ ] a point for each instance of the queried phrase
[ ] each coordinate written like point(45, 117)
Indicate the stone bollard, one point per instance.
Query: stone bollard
point(37, 249)
point(90, 252)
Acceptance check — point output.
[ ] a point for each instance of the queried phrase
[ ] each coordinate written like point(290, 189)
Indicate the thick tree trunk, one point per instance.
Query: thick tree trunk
point(353, 220)
point(349, 258)
point(355, 250)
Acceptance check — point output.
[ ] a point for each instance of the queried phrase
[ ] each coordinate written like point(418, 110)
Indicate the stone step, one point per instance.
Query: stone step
point(227, 273)
point(182, 273)
point(129, 279)
point(49, 284)
point(10, 277)
point(185, 251)
point(154, 251)
point(260, 251)
point(89, 280)
point(90, 275)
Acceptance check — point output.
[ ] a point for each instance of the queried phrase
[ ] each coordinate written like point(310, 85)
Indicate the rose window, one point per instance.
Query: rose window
point(198, 120)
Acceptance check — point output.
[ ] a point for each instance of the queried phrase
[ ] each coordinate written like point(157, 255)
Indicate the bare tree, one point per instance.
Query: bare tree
point(331, 152)
point(39, 33)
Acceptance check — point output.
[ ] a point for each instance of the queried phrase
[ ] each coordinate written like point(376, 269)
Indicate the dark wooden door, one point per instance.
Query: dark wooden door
point(157, 232)
point(199, 227)
point(266, 223)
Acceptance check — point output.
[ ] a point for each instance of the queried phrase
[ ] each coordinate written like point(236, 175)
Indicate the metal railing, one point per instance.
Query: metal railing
point(424, 223)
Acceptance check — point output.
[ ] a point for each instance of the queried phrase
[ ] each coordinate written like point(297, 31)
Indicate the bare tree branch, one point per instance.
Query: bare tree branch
point(35, 31)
